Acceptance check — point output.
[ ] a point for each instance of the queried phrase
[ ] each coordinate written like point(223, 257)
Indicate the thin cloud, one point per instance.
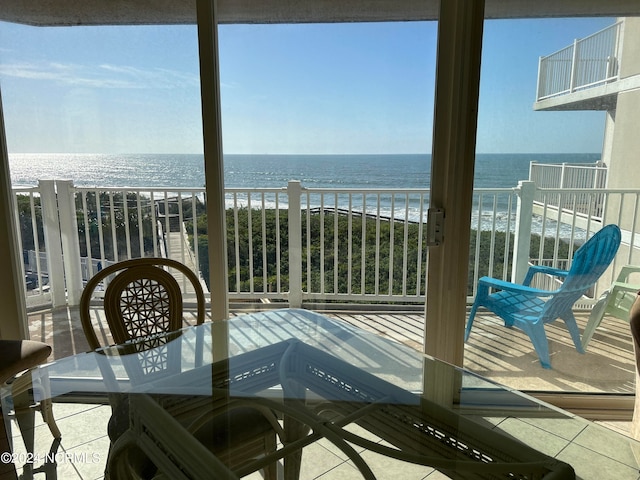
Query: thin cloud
point(101, 76)
point(231, 85)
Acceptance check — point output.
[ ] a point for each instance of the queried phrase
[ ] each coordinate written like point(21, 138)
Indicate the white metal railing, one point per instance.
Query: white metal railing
point(395, 276)
point(586, 63)
point(31, 237)
point(294, 244)
point(571, 176)
point(575, 214)
point(329, 232)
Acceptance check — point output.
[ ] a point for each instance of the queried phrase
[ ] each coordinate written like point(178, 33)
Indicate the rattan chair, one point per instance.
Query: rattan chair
point(141, 298)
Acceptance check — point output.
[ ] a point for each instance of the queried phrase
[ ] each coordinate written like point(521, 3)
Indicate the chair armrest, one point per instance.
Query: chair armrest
point(625, 272)
point(488, 282)
point(533, 269)
point(625, 287)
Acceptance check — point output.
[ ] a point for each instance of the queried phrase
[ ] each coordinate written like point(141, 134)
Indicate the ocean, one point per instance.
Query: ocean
point(313, 171)
point(269, 171)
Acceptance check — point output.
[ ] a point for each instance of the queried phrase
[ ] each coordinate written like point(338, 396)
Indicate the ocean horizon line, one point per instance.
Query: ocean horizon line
point(292, 154)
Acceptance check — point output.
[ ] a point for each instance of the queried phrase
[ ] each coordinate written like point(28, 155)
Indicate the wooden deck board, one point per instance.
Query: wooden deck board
point(502, 354)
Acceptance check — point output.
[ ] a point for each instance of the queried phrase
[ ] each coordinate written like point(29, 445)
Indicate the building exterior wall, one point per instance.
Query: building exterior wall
point(622, 142)
point(629, 62)
point(624, 164)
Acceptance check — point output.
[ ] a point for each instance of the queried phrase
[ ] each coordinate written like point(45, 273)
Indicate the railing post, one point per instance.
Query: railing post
point(600, 180)
point(574, 66)
point(70, 240)
point(53, 246)
point(521, 244)
point(563, 171)
point(540, 80)
point(294, 192)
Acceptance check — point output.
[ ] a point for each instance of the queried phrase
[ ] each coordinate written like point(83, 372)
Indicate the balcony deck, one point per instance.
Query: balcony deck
point(504, 355)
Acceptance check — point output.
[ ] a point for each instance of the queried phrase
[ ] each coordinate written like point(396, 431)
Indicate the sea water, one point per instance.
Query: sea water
point(270, 171)
point(364, 172)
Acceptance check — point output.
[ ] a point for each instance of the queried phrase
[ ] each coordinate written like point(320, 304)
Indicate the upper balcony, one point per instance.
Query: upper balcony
point(584, 75)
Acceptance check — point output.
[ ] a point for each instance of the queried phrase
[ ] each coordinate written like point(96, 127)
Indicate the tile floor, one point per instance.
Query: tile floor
point(83, 451)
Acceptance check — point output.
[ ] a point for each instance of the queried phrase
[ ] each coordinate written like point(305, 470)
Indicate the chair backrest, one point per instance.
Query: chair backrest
point(589, 262)
point(142, 299)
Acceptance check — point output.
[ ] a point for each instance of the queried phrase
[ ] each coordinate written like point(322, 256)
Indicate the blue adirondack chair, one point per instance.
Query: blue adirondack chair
point(530, 308)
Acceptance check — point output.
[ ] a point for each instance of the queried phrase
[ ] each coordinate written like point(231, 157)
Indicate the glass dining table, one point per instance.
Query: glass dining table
point(381, 405)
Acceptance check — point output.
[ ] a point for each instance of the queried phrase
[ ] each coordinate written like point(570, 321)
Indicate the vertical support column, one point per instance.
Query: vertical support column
point(70, 241)
point(53, 245)
point(452, 167)
point(522, 240)
point(213, 156)
point(294, 192)
point(13, 322)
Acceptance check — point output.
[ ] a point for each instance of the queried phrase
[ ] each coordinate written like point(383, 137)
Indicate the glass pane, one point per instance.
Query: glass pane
point(329, 125)
point(560, 120)
point(104, 134)
point(344, 109)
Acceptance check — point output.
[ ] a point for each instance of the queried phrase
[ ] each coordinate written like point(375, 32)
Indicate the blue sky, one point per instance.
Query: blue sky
point(338, 88)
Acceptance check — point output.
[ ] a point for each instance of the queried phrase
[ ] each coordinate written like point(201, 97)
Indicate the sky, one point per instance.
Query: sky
point(307, 88)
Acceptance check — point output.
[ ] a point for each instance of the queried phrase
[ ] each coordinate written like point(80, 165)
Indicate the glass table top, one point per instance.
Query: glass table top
point(332, 377)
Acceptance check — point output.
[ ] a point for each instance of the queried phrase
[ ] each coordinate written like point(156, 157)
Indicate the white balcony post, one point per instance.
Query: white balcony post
point(294, 192)
point(70, 241)
point(522, 239)
point(53, 245)
point(574, 67)
point(539, 88)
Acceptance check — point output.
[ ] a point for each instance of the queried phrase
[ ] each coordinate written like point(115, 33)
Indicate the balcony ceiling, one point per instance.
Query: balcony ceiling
point(132, 12)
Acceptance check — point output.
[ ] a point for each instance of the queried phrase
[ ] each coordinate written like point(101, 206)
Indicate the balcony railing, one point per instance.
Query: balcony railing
point(571, 176)
point(296, 244)
point(586, 63)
